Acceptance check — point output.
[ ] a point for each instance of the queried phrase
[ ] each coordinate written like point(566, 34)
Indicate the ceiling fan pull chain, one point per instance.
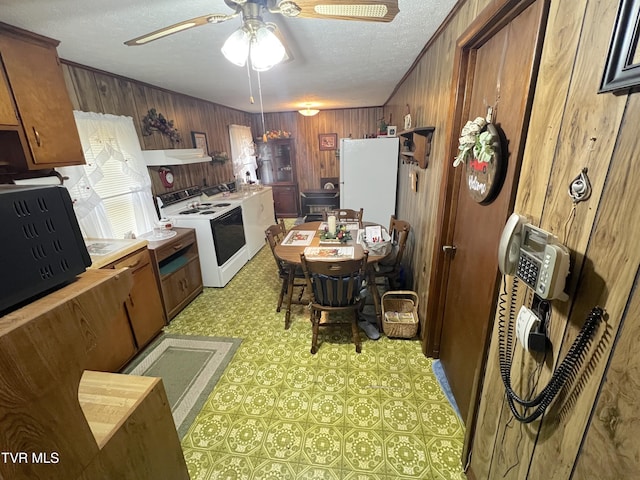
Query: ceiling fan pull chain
point(251, 101)
point(264, 130)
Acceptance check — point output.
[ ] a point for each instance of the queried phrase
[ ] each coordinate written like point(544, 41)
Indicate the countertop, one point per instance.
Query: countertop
point(104, 251)
point(240, 194)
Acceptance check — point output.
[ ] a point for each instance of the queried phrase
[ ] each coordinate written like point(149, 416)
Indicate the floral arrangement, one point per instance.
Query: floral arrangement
point(476, 141)
point(219, 157)
point(342, 235)
point(155, 122)
point(273, 134)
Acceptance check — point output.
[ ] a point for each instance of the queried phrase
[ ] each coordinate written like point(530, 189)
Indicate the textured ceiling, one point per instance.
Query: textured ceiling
point(336, 64)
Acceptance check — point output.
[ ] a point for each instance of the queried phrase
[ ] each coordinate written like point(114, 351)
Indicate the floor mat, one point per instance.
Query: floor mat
point(189, 366)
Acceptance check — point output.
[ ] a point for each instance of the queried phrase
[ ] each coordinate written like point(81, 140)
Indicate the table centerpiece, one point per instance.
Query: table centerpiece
point(341, 235)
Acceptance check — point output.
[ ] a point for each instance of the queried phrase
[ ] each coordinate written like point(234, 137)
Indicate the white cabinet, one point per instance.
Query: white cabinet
point(257, 215)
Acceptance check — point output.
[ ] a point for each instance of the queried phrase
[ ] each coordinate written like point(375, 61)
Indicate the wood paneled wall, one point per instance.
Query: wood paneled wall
point(313, 164)
point(101, 92)
point(589, 431)
point(96, 91)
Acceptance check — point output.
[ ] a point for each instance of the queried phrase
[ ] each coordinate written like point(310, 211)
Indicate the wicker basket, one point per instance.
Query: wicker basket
point(400, 314)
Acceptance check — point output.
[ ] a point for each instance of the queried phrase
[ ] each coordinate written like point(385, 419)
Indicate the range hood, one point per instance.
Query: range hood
point(176, 156)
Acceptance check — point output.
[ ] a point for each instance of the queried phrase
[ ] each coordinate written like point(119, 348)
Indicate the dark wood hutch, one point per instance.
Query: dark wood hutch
point(277, 168)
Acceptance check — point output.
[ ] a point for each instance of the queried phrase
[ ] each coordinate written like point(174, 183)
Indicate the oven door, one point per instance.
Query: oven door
point(228, 234)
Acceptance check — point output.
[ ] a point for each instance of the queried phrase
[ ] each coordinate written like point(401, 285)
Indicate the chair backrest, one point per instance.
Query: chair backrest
point(344, 215)
point(334, 284)
point(399, 232)
point(274, 236)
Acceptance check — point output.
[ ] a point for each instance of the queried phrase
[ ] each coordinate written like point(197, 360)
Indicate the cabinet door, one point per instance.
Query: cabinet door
point(181, 286)
point(145, 306)
point(285, 198)
point(193, 279)
point(37, 83)
point(276, 162)
point(282, 162)
point(115, 347)
point(7, 111)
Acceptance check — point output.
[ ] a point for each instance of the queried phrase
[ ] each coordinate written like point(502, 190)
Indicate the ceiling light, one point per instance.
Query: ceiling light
point(308, 112)
point(254, 40)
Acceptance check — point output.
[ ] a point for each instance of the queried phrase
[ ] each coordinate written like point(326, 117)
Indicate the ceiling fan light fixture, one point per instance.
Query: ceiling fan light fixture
point(236, 47)
point(374, 11)
point(266, 49)
point(308, 111)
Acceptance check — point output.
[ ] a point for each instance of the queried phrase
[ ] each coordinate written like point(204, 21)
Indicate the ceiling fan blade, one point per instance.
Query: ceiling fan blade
point(179, 27)
point(288, 56)
point(361, 10)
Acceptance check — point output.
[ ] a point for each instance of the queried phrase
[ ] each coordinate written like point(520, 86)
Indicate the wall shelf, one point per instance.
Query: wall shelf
point(415, 145)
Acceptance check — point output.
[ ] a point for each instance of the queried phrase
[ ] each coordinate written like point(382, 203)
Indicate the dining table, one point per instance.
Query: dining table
point(309, 235)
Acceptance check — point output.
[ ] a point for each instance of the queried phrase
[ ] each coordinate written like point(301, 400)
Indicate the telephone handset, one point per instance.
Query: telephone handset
point(535, 256)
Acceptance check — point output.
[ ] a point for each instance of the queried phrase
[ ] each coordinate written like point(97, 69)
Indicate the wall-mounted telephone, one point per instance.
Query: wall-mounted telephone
point(535, 256)
point(538, 259)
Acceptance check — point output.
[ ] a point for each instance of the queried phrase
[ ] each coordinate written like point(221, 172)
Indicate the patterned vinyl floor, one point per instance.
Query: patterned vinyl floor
point(280, 413)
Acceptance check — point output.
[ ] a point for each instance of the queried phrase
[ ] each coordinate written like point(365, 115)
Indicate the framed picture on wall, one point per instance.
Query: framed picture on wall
point(200, 141)
point(328, 141)
point(622, 69)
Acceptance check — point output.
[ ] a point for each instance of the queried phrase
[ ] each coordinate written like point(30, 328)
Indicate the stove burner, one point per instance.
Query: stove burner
point(206, 212)
point(222, 205)
point(204, 205)
point(189, 211)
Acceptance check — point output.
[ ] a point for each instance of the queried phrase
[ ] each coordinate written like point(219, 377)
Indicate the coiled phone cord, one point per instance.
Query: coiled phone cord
point(567, 369)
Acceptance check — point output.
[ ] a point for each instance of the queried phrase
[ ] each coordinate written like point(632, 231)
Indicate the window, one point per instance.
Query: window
point(112, 192)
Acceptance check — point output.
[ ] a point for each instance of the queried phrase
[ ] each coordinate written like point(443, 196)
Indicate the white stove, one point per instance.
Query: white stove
point(219, 231)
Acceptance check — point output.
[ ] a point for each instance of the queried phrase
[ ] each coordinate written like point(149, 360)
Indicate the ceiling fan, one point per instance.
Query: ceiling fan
point(251, 10)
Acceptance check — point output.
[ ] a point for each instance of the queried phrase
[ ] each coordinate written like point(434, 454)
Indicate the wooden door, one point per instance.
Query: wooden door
point(498, 73)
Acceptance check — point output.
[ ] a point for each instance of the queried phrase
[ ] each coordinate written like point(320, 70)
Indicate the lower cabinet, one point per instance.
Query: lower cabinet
point(177, 267)
point(285, 199)
point(115, 347)
point(138, 322)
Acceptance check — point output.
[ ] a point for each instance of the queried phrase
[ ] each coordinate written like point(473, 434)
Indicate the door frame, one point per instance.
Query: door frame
point(489, 21)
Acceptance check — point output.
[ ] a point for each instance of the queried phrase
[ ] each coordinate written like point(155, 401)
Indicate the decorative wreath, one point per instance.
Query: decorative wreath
point(155, 122)
point(477, 141)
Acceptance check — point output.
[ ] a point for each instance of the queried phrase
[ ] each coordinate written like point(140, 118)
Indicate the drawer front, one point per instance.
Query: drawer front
point(181, 241)
point(134, 261)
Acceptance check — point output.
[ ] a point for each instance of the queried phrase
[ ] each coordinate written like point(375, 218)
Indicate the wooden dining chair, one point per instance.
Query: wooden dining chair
point(389, 268)
point(334, 286)
point(290, 275)
point(345, 215)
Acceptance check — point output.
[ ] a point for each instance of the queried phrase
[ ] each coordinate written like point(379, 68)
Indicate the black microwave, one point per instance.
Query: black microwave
point(42, 246)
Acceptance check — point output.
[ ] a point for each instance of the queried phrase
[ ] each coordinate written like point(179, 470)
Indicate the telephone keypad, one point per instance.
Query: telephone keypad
point(528, 270)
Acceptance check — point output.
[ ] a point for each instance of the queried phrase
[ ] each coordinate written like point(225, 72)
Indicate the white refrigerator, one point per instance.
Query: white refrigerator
point(368, 176)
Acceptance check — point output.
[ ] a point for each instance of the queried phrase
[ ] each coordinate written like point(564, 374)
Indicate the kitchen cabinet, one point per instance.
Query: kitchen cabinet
point(277, 167)
point(115, 346)
point(37, 127)
point(285, 200)
point(144, 305)
point(257, 215)
point(138, 322)
point(415, 145)
point(177, 268)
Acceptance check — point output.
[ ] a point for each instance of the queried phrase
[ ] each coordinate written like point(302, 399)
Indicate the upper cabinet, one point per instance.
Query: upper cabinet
point(37, 127)
point(415, 145)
